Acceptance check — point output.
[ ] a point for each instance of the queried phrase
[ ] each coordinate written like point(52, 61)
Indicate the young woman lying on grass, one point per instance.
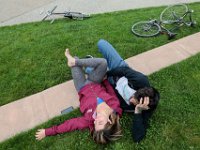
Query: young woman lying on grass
point(98, 103)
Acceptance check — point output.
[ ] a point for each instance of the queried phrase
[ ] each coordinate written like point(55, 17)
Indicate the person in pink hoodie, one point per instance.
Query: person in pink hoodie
point(98, 103)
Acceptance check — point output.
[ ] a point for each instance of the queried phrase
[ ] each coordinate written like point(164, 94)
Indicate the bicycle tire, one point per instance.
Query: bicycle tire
point(172, 13)
point(146, 29)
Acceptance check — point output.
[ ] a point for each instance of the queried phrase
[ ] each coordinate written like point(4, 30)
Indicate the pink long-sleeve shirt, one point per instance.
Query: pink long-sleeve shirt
point(88, 104)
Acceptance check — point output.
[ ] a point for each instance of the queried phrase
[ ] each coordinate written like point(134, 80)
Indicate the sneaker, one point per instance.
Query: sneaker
point(88, 56)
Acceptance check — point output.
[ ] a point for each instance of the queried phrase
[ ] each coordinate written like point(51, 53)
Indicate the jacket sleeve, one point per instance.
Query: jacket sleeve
point(140, 125)
point(119, 71)
point(69, 125)
point(136, 79)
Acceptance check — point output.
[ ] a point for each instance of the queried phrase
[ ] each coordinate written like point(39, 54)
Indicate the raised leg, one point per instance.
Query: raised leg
point(77, 71)
point(110, 54)
point(78, 77)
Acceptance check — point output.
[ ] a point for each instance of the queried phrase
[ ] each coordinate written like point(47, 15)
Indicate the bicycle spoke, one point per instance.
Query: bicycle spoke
point(145, 29)
point(173, 13)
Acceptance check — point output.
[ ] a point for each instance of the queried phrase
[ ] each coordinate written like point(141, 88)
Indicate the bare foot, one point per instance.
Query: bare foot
point(71, 60)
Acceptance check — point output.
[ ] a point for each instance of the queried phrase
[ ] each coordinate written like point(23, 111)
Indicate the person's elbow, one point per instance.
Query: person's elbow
point(143, 80)
point(139, 137)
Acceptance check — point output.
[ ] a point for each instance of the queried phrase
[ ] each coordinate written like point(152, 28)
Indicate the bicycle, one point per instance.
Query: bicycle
point(174, 14)
point(66, 14)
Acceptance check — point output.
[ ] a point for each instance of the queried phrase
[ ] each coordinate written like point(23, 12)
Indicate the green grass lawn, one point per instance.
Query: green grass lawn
point(174, 125)
point(32, 59)
point(32, 55)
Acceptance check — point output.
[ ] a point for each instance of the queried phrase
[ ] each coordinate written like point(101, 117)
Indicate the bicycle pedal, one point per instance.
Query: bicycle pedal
point(171, 36)
point(194, 22)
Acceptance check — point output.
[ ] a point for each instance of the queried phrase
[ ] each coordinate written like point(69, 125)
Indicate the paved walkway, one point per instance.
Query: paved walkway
point(28, 112)
point(22, 11)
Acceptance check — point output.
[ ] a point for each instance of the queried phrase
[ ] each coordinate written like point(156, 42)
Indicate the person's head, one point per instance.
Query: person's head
point(109, 130)
point(101, 120)
point(150, 92)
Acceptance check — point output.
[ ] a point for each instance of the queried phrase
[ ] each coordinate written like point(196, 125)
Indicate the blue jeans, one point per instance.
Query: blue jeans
point(113, 59)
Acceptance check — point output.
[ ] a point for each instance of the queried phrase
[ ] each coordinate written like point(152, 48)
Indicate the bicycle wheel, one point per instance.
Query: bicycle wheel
point(146, 29)
point(173, 13)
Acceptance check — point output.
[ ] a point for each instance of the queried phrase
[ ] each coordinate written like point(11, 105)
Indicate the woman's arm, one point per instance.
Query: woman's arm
point(69, 125)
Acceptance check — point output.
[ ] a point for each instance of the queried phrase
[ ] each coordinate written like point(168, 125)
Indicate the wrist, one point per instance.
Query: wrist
point(137, 110)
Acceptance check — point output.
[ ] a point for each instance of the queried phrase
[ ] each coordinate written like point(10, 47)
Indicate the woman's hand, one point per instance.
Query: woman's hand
point(142, 105)
point(40, 134)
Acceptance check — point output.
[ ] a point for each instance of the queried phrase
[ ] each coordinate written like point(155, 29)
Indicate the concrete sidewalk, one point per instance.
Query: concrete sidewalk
point(28, 112)
point(22, 11)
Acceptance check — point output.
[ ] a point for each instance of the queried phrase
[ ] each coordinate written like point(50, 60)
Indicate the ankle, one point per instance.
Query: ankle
point(71, 62)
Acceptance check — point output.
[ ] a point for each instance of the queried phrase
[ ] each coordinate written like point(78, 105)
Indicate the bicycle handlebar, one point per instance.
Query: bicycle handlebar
point(68, 14)
point(49, 13)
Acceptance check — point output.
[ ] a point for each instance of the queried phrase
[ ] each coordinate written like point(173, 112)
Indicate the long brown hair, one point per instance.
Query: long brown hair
point(111, 132)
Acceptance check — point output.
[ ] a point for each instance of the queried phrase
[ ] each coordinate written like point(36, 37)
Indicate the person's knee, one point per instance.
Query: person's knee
point(141, 78)
point(101, 41)
point(101, 44)
point(104, 62)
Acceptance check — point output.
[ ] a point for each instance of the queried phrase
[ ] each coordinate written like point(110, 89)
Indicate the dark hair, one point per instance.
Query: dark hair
point(150, 92)
point(111, 132)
